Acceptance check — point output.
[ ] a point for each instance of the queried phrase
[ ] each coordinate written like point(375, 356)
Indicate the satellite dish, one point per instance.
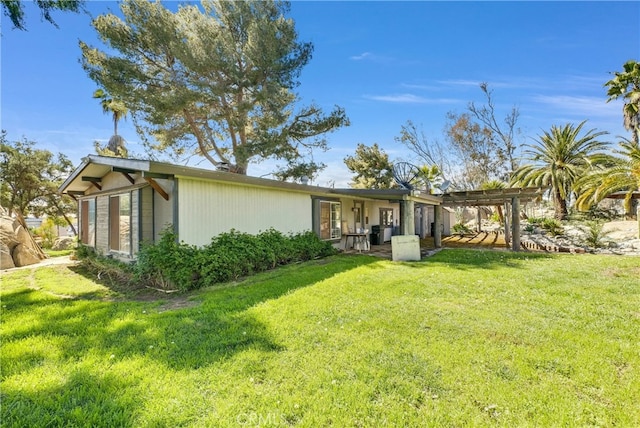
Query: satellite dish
point(404, 174)
point(445, 185)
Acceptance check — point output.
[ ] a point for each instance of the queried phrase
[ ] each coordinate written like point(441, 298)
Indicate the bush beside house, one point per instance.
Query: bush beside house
point(172, 265)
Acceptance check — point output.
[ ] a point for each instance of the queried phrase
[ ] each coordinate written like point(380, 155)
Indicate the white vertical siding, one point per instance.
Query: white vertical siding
point(207, 209)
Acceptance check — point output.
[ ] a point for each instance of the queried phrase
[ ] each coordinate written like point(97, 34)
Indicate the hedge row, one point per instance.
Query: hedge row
point(172, 264)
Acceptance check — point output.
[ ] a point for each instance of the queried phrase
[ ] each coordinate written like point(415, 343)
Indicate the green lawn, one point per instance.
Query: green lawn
point(464, 338)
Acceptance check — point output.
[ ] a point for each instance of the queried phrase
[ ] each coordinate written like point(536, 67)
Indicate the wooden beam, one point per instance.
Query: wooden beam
point(128, 177)
point(146, 174)
point(94, 180)
point(126, 172)
point(154, 184)
point(515, 224)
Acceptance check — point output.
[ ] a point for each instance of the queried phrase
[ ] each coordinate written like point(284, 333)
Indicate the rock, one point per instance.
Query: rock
point(16, 245)
point(63, 243)
point(6, 261)
point(24, 256)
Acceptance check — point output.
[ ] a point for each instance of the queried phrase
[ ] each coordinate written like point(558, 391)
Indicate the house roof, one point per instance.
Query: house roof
point(94, 167)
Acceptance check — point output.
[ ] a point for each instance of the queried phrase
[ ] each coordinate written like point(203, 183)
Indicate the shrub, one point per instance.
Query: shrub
point(46, 232)
point(460, 228)
point(552, 226)
point(168, 263)
point(536, 221)
point(227, 257)
point(595, 234)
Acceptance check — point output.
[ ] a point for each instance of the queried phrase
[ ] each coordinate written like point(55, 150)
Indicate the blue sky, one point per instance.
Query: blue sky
point(384, 62)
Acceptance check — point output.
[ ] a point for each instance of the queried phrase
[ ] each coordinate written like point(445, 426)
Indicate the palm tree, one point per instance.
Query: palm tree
point(618, 174)
point(627, 85)
point(494, 185)
point(558, 159)
point(427, 176)
point(118, 111)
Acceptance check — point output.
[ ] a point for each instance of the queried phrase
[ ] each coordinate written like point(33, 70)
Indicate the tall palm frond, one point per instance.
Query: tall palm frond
point(558, 159)
point(626, 84)
point(619, 174)
point(111, 106)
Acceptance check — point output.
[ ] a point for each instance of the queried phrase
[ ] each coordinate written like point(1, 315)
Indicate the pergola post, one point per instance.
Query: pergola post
point(515, 223)
point(407, 218)
point(478, 220)
point(437, 226)
point(507, 224)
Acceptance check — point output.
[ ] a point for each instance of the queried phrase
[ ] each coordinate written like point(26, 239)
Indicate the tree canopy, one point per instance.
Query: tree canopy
point(29, 179)
point(371, 167)
point(626, 85)
point(217, 81)
point(14, 9)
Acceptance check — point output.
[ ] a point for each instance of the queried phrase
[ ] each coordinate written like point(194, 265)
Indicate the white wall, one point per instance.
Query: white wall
point(207, 209)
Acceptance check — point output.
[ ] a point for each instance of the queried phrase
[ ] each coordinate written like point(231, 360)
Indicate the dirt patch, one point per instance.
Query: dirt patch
point(176, 303)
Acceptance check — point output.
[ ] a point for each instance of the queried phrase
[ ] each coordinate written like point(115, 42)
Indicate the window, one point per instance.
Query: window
point(330, 220)
point(119, 223)
point(88, 222)
point(386, 217)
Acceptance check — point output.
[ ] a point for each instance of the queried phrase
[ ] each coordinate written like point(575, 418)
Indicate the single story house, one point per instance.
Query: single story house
point(124, 202)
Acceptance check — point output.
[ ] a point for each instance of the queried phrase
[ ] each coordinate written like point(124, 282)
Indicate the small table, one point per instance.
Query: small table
point(359, 240)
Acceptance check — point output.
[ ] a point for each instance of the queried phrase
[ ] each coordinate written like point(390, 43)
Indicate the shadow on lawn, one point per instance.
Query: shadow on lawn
point(83, 399)
point(215, 327)
point(68, 333)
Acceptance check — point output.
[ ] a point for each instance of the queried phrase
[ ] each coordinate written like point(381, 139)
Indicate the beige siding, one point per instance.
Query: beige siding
point(146, 213)
point(115, 180)
point(135, 222)
point(102, 224)
point(163, 209)
point(208, 209)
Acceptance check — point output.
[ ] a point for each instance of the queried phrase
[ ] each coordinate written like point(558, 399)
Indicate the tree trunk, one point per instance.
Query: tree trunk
point(500, 213)
point(238, 169)
point(630, 209)
point(560, 206)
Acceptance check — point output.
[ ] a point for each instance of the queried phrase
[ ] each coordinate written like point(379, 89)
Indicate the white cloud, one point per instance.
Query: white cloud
point(410, 99)
point(579, 105)
point(364, 55)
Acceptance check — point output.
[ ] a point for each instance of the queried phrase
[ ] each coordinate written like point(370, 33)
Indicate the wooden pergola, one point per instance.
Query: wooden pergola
point(509, 198)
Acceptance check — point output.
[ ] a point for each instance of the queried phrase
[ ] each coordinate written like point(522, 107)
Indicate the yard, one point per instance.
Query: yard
point(463, 338)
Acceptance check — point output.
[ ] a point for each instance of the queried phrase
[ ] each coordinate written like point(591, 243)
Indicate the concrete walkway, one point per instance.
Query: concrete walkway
point(52, 261)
